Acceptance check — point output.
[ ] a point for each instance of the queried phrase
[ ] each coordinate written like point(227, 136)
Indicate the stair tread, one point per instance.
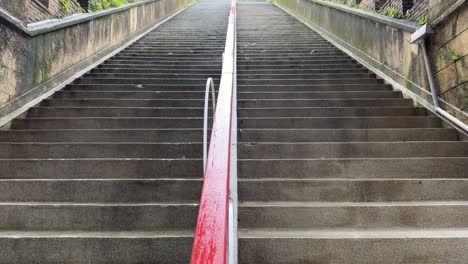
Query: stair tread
point(337, 233)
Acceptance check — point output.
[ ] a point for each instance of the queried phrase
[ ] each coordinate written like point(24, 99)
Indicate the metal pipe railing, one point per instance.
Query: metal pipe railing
point(214, 240)
point(209, 85)
point(419, 37)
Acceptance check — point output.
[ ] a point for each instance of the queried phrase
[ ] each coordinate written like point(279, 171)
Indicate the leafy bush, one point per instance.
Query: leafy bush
point(422, 20)
point(65, 6)
point(393, 13)
point(106, 4)
point(95, 6)
point(116, 3)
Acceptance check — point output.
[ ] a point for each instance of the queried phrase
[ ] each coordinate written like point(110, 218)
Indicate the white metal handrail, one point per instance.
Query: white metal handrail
point(209, 86)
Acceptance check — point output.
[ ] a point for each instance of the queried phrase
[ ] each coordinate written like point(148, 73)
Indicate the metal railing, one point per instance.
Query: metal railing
point(215, 239)
point(419, 37)
point(209, 86)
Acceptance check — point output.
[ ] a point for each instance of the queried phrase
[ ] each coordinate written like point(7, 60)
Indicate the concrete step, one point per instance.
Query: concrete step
point(91, 102)
point(194, 81)
point(329, 111)
point(102, 168)
point(261, 76)
point(97, 216)
point(76, 94)
point(292, 66)
point(115, 112)
point(178, 75)
point(301, 71)
point(134, 87)
point(128, 190)
point(119, 70)
point(354, 168)
point(324, 81)
point(389, 102)
point(341, 122)
point(130, 94)
point(315, 88)
point(346, 135)
point(107, 123)
point(102, 135)
point(95, 247)
point(309, 150)
point(184, 66)
point(352, 190)
point(317, 95)
point(316, 215)
point(100, 150)
point(356, 246)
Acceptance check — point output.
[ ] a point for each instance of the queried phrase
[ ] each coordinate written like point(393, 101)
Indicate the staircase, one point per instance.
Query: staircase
point(334, 165)
point(109, 169)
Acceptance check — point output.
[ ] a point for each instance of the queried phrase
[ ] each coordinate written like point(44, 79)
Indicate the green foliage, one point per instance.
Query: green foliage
point(455, 58)
point(393, 13)
point(106, 4)
point(116, 3)
point(422, 20)
point(95, 6)
point(65, 6)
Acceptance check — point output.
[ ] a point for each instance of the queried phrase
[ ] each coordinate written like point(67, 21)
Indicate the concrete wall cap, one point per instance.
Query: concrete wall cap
point(47, 26)
point(393, 22)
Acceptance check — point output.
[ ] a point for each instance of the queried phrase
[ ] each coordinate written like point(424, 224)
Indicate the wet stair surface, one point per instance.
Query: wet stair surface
point(334, 165)
point(109, 169)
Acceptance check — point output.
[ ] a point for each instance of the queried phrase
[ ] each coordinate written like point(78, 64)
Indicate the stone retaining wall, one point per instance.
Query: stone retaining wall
point(31, 65)
point(382, 44)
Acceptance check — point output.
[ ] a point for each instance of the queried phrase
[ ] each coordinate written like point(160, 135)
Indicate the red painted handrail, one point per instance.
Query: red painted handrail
point(210, 240)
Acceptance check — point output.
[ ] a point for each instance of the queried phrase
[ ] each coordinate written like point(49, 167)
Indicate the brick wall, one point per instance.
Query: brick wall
point(449, 52)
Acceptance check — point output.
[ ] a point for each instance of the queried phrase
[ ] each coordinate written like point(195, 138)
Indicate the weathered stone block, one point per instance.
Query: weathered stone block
point(457, 96)
point(447, 78)
point(462, 70)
